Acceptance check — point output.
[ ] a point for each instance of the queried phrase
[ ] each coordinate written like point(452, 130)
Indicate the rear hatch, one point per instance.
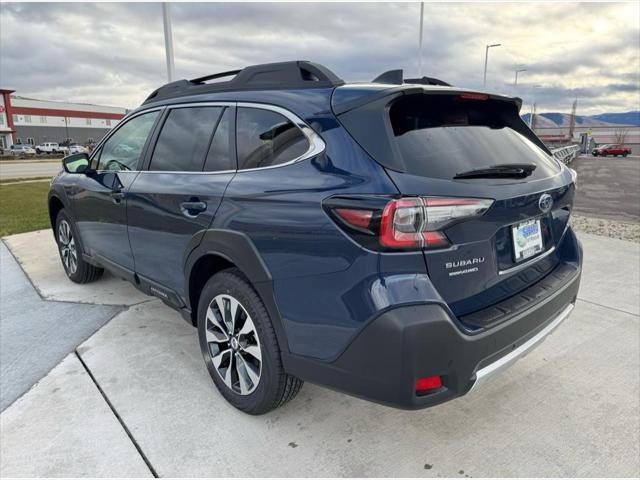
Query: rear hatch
point(442, 144)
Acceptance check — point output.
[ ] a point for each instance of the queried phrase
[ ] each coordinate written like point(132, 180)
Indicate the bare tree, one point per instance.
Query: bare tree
point(621, 135)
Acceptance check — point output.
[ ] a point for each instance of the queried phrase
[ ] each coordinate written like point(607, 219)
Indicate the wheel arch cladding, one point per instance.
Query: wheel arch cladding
point(202, 270)
point(220, 249)
point(55, 205)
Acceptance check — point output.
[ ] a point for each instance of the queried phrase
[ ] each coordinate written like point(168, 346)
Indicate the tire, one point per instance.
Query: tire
point(38, 151)
point(69, 248)
point(625, 154)
point(245, 367)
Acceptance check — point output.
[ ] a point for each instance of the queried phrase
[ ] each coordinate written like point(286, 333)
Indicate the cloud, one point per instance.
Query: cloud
point(114, 53)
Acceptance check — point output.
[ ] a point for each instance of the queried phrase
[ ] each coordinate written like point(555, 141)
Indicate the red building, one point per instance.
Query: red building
point(31, 121)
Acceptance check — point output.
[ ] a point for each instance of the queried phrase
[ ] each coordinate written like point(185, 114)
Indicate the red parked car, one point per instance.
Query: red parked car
point(612, 149)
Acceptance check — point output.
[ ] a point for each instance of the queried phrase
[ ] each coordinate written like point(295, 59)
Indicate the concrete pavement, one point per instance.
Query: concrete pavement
point(64, 427)
point(38, 256)
point(570, 408)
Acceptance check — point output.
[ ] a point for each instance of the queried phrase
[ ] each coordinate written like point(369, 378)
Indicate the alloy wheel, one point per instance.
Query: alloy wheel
point(234, 345)
point(67, 247)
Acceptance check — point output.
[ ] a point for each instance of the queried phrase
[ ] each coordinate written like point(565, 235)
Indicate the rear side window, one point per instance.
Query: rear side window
point(440, 136)
point(265, 138)
point(184, 139)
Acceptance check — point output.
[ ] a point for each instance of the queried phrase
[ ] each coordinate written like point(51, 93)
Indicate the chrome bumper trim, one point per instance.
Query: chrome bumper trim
point(485, 373)
point(528, 263)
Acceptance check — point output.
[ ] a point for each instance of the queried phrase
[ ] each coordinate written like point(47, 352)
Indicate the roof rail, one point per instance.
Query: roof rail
point(396, 77)
point(214, 76)
point(283, 75)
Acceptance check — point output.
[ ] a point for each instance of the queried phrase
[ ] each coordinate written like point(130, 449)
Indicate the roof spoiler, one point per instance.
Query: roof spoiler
point(396, 77)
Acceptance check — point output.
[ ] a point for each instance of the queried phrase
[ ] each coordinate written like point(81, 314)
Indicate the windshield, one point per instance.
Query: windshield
point(442, 136)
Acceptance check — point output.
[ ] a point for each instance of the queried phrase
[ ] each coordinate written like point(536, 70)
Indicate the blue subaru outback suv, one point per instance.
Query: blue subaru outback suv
point(401, 240)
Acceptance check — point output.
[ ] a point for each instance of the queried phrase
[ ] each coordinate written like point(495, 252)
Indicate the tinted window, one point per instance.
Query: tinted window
point(266, 138)
point(220, 156)
point(184, 139)
point(124, 147)
point(441, 136)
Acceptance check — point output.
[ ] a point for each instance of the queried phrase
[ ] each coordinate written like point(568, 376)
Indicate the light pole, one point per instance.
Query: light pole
point(168, 40)
point(486, 59)
point(66, 128)
point(532, 119)
point(420, 41)
point(518, 71)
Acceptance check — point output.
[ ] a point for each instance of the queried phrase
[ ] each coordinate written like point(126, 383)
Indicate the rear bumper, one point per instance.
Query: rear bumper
point(486, 373)
point(409, 342)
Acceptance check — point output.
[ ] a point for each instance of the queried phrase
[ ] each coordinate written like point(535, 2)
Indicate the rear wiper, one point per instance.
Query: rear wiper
point(505, 170)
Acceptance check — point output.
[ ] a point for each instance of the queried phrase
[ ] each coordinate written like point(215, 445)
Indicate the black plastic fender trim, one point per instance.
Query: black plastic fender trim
point(237, 248)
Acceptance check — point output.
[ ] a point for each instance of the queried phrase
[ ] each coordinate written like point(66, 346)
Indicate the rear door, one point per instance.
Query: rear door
point(174, 199)
point(437, 137)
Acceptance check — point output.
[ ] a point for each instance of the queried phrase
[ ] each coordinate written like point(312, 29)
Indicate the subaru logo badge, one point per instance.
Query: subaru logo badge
point(545, 203)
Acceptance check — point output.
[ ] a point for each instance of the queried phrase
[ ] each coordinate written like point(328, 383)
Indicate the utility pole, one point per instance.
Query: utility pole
point(532, 118)
point(486, 59)
point(66, 128)
point(572, 120)
point(518, 71)
point(168, 40)
point(420, 41)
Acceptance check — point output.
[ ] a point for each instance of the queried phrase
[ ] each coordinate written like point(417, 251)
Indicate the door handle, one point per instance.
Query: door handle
point(117, 196)
point(192, 209)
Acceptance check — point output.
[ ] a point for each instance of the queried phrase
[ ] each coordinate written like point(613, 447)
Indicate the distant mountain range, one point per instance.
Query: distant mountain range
point(555, 119)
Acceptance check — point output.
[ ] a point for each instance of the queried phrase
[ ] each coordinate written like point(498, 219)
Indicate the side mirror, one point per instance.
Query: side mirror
point(76, 163)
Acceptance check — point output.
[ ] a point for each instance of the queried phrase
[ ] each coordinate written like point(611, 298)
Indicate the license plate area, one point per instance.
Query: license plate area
point(527, 240)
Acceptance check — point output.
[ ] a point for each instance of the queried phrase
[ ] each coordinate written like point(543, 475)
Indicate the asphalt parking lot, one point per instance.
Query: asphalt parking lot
point(608, 187)
point(28, 350)
point(134, 399)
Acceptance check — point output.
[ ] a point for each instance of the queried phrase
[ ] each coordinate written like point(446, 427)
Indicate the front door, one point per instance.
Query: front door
point(174, 199)
point(100, 209)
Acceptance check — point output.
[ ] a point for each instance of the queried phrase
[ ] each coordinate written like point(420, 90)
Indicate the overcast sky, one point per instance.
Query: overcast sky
point(113, 54)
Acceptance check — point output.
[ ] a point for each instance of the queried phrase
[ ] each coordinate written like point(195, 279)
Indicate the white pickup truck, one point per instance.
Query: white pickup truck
point(50, 147)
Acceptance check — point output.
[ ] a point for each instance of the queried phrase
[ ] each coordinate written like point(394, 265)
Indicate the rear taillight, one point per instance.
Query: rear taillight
point(359, 218)
point(405, 223)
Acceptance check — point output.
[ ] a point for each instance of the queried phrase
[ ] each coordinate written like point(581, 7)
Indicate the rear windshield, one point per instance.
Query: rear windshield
point(440, 136)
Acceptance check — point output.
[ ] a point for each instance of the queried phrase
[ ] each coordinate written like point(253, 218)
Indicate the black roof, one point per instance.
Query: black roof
point(283, 75)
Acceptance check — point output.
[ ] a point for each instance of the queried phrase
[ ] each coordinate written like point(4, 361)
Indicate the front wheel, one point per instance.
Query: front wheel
point(625, 154)
point(239, 346)
point(76, 268)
